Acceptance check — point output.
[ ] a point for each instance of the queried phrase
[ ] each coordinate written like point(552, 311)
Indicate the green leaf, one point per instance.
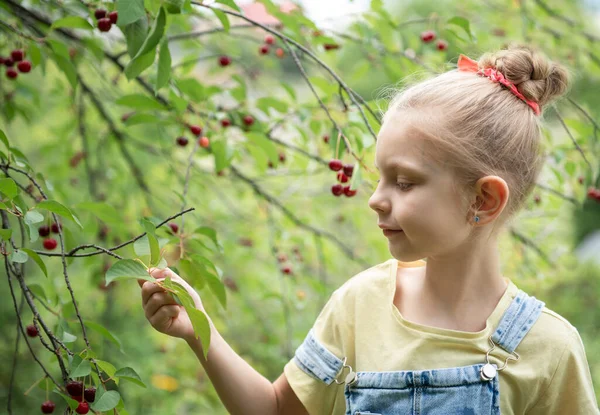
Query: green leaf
point(39, 291)
point(103, 211)
point(164, 66)
point(18, 256)
point(140, 101)
point(106, 400)
point(135, 33)
point(59, 209)
point(214, 283)
point(137, 66)
point(73, 404)
point(106, 334)
point(197, 317)
point(173, 6)
point(4, 139)
point(131, 375)
point(269, 102)
point(142, 247)
point(107, 367)
point(209, 232)
point(68, 337)
point(67, 67)
point(152, 241)
point(127, 269)
point(36, 258)
point(6, 234)
point(464, 23)
point(80, 367)
point(8, 187)
point(76, 22)
point(229, 3)
point(149, 45)
point(223, 154)
point(260, 140)
point(130, 11)
point(223, 18)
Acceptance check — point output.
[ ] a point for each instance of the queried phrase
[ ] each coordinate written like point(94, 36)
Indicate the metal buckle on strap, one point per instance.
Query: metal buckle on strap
point(489, 370)
point(350, 377)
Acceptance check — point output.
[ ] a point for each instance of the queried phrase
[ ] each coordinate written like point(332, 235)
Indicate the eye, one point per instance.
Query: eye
point(405, 186)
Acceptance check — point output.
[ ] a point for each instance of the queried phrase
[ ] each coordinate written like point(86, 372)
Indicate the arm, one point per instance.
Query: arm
point(240, 387)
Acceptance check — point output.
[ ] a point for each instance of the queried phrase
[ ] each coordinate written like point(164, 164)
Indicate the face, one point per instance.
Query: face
point(423, 203)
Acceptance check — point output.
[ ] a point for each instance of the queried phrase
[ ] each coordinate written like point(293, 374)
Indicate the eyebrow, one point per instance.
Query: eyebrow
point(406, 167)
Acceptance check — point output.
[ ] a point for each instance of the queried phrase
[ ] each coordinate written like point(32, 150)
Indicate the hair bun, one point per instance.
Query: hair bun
point(535, 76)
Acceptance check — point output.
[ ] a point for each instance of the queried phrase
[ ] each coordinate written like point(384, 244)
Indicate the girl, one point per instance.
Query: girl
point(458, 155)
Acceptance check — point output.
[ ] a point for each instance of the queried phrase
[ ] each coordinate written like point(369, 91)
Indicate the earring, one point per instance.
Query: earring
point(476, 219)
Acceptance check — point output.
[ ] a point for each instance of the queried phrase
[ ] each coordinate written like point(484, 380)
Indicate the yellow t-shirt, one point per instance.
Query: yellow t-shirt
point(361, 322)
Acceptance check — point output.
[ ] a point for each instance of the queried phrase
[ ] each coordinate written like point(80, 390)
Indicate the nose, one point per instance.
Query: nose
point(378, 202)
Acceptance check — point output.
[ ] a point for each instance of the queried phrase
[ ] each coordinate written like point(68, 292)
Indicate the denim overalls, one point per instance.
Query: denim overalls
point(465, 390)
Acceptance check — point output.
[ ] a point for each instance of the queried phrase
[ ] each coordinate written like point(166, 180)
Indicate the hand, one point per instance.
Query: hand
point(161, 309)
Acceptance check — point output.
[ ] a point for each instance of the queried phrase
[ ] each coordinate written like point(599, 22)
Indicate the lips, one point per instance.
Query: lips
point(385, 227)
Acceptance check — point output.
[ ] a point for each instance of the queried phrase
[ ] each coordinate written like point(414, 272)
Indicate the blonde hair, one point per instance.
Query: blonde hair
point(480, 128)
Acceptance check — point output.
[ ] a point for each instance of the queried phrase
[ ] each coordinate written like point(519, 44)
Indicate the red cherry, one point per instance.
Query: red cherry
point(282, 157)
point(428, 36)
point(279, 52)
point(264, 49)
point(537, 199)
point(48, 407)
point(75, 388)
point(17, 55)
point(580, 179)
point(99, 13)
point(55, 226)
point(337, 189)
point(287, 270)
point(224, 60)
point(342, 177)
point(349, 192)
point(182, 141)
point(24, 66)
point(442, 45)
point(11, 73)
point(225, 123)
point(270, 164)
point(196, 129)
point(174, 227)
point(50, 244)
point(113, 16)
point(204, 142)
point(32, 331)
point(44, 230)
point(326, 138)
point(593, 193)
point(9, 62)
point(269, 39)
point(331, 46)
point(104, 24)
point(248, 120)
point(89, 394)
point(335, 164)
point(78, 398)
point(348, 169)
point(83, 408)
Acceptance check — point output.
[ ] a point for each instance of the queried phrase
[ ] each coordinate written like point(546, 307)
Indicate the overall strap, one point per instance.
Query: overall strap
point(316, 360)
point(517, 320)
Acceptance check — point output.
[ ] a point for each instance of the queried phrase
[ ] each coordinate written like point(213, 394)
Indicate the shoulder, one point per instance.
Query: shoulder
point(368, 281)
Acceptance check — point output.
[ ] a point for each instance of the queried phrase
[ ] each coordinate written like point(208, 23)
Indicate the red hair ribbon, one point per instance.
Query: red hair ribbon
point(466, 64)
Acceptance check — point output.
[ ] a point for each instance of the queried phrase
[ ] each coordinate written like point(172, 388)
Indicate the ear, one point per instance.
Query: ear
point(493, 193)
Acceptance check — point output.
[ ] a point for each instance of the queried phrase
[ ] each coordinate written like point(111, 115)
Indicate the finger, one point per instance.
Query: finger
point(156, 301)
point(163, 316)
point(148, 289)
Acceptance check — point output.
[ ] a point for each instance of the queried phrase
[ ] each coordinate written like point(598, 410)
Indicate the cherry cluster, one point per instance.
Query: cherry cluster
point(16, 56)
point(105, 21)
point(183, 141)
point(264, 49)
point(429, 36)
point(343, 176)
point(44, 230)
